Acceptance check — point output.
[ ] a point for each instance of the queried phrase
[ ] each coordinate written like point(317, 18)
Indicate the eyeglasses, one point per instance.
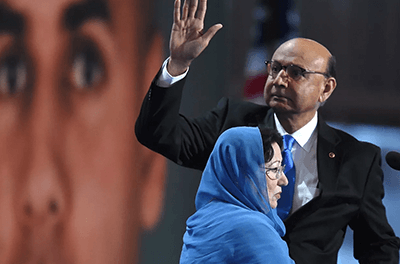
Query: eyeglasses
point(275, 173)
point(293, 71)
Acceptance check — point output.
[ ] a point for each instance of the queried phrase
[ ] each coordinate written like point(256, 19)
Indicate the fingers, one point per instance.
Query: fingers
point(177, 11)
point(193, 8)
point(185, 11)
point(190, 9)
point(201, 13)
point(211, 32)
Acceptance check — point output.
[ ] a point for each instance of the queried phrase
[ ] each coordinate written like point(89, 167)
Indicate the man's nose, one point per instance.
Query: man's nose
point(42, 189)
point(42, 185)
point(281, 78)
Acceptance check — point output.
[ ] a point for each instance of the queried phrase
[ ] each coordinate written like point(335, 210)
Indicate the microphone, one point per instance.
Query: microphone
point(393, 160)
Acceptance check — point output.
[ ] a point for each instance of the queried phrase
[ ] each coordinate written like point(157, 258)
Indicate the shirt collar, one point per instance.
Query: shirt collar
point(303, 134)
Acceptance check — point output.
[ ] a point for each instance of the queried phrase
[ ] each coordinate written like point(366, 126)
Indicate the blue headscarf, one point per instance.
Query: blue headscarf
point(234, 222)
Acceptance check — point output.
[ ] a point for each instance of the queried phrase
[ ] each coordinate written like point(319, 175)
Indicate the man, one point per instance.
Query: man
point(75, 185)
point(338, 179)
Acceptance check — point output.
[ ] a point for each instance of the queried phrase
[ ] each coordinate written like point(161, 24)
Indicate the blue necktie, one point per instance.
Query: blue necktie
point(285, 203)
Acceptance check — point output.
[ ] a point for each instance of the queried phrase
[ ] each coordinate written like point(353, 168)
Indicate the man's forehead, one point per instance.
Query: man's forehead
point(302, 52)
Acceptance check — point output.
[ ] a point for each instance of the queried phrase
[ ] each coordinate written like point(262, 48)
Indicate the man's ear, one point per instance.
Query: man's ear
point(330, 85)
point(154, 165)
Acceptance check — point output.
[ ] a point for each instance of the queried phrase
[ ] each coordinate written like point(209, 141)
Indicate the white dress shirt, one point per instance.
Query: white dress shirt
point(304, 153)
point(165, 79)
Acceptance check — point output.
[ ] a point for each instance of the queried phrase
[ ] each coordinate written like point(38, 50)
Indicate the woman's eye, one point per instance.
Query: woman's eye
point(87, 68)
point(274, 170)
point(13, 75)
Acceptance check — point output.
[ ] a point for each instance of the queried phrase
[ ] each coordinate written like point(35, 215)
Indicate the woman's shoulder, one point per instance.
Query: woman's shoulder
point(244, 222)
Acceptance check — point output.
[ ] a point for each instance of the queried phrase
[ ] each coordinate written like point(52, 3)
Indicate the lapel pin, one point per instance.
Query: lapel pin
point(331, 155)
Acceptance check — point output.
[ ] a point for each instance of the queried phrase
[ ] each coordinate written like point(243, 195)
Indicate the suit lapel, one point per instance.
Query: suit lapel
point(328, 158)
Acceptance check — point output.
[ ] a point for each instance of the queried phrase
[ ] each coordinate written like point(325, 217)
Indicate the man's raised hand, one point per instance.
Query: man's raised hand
point(187, 37)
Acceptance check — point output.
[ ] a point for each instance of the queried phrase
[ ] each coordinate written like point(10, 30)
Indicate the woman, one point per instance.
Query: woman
point(236, 219)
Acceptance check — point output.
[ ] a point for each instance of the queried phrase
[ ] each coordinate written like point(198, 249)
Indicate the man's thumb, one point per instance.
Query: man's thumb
point(211, 32)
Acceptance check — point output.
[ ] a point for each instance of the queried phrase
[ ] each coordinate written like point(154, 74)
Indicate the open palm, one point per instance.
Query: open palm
point(187, 39)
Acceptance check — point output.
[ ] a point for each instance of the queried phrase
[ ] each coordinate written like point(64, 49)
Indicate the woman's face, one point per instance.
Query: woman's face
point(273, 168)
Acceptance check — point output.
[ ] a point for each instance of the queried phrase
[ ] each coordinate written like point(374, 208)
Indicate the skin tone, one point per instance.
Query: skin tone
point(75, 185)
point(274, 186)
point(296, 102)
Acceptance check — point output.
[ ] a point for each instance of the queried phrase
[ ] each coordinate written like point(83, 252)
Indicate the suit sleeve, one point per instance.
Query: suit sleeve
point(185, 141)
point(374, 239)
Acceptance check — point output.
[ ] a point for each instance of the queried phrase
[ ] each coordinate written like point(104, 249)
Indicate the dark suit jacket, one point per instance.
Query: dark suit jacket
point(350, 177)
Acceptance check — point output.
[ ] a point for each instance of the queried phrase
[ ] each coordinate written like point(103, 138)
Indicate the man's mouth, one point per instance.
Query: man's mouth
point(279, 97)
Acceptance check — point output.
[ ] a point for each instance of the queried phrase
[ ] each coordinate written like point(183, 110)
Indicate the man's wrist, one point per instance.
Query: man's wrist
point(175, 68)
point(165, 79)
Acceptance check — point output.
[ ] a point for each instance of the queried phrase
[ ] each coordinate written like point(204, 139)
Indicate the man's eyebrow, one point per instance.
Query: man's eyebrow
point(10, 21)
point(77, 14)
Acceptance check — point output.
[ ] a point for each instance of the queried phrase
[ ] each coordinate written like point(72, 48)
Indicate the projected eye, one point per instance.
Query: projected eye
point(13, 75)
point(87, 68)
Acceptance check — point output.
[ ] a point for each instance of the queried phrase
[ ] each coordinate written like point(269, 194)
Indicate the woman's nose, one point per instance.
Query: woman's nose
point(283, 181)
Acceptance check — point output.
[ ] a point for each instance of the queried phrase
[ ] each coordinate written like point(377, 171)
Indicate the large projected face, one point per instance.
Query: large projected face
point(75, 185)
